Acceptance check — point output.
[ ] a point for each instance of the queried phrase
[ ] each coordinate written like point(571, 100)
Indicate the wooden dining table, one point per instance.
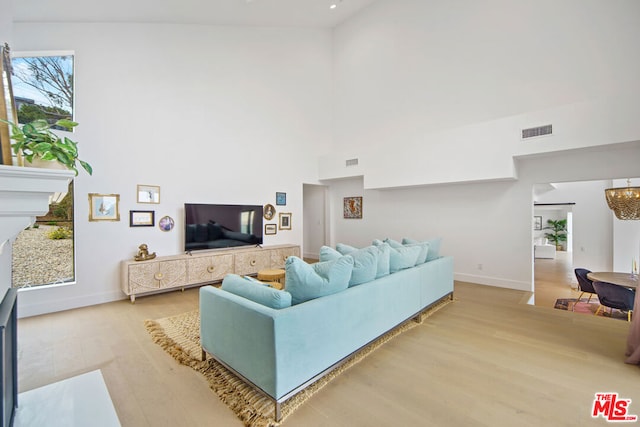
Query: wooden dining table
point(620, 279)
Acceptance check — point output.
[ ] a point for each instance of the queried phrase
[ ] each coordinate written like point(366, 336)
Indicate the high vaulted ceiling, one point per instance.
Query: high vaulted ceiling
point(296, 13)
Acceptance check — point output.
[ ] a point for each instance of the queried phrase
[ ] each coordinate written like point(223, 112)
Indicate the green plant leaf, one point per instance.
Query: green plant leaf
point(66, 123)
point(86, 167)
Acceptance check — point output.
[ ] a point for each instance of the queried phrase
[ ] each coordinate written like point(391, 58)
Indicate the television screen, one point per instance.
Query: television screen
point(221, 226)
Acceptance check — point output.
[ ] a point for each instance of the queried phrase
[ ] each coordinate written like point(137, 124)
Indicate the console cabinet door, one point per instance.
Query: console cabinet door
point(157, 275)
point(252, 262)
point(279, 256)
point(208, 268)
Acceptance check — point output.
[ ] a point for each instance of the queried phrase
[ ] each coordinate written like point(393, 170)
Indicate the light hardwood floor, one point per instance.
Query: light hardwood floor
point(486, 359)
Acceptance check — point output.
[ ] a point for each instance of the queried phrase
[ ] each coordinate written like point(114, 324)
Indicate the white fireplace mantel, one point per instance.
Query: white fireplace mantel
point(24, 194)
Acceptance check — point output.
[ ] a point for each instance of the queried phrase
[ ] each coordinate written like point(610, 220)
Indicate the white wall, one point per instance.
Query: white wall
point(6, 21)
point(210, 114)
point(488, 223)
point(437, 92)
point(431, 97)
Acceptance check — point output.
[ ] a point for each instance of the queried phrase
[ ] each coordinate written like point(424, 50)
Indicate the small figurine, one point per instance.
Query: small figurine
point(143, 253)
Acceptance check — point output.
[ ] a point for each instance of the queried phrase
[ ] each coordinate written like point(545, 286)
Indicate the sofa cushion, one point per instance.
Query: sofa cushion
point(327, 253)
point(424, 251)
point(384, 259)
point(434, 246)
point(365, 265)
point(308, 281)
point(345, 249)
point(393, 243)
point(401, 258)
point(249, 289)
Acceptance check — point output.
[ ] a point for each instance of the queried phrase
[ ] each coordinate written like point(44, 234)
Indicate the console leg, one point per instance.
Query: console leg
point(133, 299)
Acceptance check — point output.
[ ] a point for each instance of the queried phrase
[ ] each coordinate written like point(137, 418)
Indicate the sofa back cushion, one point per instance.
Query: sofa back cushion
point(400, 257)
point(365, 263)
point(345, 249)
point(256, 291)
point(434, 246)
point(309, 281)
point(327, 253)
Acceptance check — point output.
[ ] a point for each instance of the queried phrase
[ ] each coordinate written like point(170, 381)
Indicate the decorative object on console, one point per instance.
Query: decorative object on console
point(537, 223)
point(269, 212)
point(141, 218)
point(166, 223)
point(285, 221)
point(104, 207)
point(143, 253)
point(624, 201)
point(352, 207)
point(281, 199)
point(148, 194)
point(270, 229)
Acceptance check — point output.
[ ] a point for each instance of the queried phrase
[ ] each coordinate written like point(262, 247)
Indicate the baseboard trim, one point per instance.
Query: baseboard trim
point(493, 281)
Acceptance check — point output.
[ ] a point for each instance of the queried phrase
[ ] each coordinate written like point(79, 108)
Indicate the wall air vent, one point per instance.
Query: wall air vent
point(351, 162)
point(537, 131)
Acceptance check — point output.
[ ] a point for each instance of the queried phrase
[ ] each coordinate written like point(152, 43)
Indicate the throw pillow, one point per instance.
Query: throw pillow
point(309, 281)
point(384, 258)
point(424, 251)
point(250, 290)
point(393, 243)
point(365, 265)
point(327, 253)
point(345, 249)
point(404, 257)
point(434, 246)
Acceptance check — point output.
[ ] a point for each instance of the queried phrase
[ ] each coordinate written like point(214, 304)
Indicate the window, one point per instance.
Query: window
point(43, 88)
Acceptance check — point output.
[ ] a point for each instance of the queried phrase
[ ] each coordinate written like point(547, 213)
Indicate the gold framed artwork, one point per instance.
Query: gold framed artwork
point(269, 212)
point(270, 229)
point(166, 223)
point(148, 194)
point(352, 208)
point(104, 207)
point(141, 218)
point(285, 221)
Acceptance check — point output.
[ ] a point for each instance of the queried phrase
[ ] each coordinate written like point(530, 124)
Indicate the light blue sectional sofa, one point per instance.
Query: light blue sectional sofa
point(281, 348)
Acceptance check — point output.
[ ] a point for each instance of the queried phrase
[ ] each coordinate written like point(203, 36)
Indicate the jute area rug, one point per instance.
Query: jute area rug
point(180, 337)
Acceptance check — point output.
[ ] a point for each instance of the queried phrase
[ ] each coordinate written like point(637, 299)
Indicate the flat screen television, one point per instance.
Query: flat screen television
point(209, 226)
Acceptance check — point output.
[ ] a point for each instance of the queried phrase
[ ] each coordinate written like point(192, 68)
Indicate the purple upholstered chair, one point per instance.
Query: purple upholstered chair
point(584, 283)
point(614, 296)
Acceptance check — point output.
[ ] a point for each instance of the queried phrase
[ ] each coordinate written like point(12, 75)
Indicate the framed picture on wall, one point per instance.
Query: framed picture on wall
point(537, 223)
point(104, 207)
point(141, 218)
point(285, 221)
point(281, 199)
point(352, 207)
point(270, 229)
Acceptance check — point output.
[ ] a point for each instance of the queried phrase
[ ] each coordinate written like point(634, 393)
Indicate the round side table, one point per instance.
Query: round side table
point(271, 275)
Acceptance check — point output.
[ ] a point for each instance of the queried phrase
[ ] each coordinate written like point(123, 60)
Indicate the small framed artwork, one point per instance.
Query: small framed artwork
point(166, 223)
point(285, 221)
point(352, 207)
point(104, 207)
point(270, 229)
point(281, 199)
point(537, 223)
point(141, 218)
point(269, 212)
point(148, 194)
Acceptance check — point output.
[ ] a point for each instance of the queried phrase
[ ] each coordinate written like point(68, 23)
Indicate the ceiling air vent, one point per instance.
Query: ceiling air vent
point(351, 162)
point(537, 131)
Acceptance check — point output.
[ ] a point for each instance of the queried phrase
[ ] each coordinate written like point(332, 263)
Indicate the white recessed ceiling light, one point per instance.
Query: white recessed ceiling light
point(334, 5)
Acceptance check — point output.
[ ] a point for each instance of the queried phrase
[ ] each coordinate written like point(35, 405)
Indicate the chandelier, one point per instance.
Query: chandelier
point(624, 201)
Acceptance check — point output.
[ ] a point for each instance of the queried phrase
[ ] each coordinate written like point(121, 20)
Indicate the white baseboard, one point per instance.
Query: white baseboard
point(494, 281)
point(31, 308)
